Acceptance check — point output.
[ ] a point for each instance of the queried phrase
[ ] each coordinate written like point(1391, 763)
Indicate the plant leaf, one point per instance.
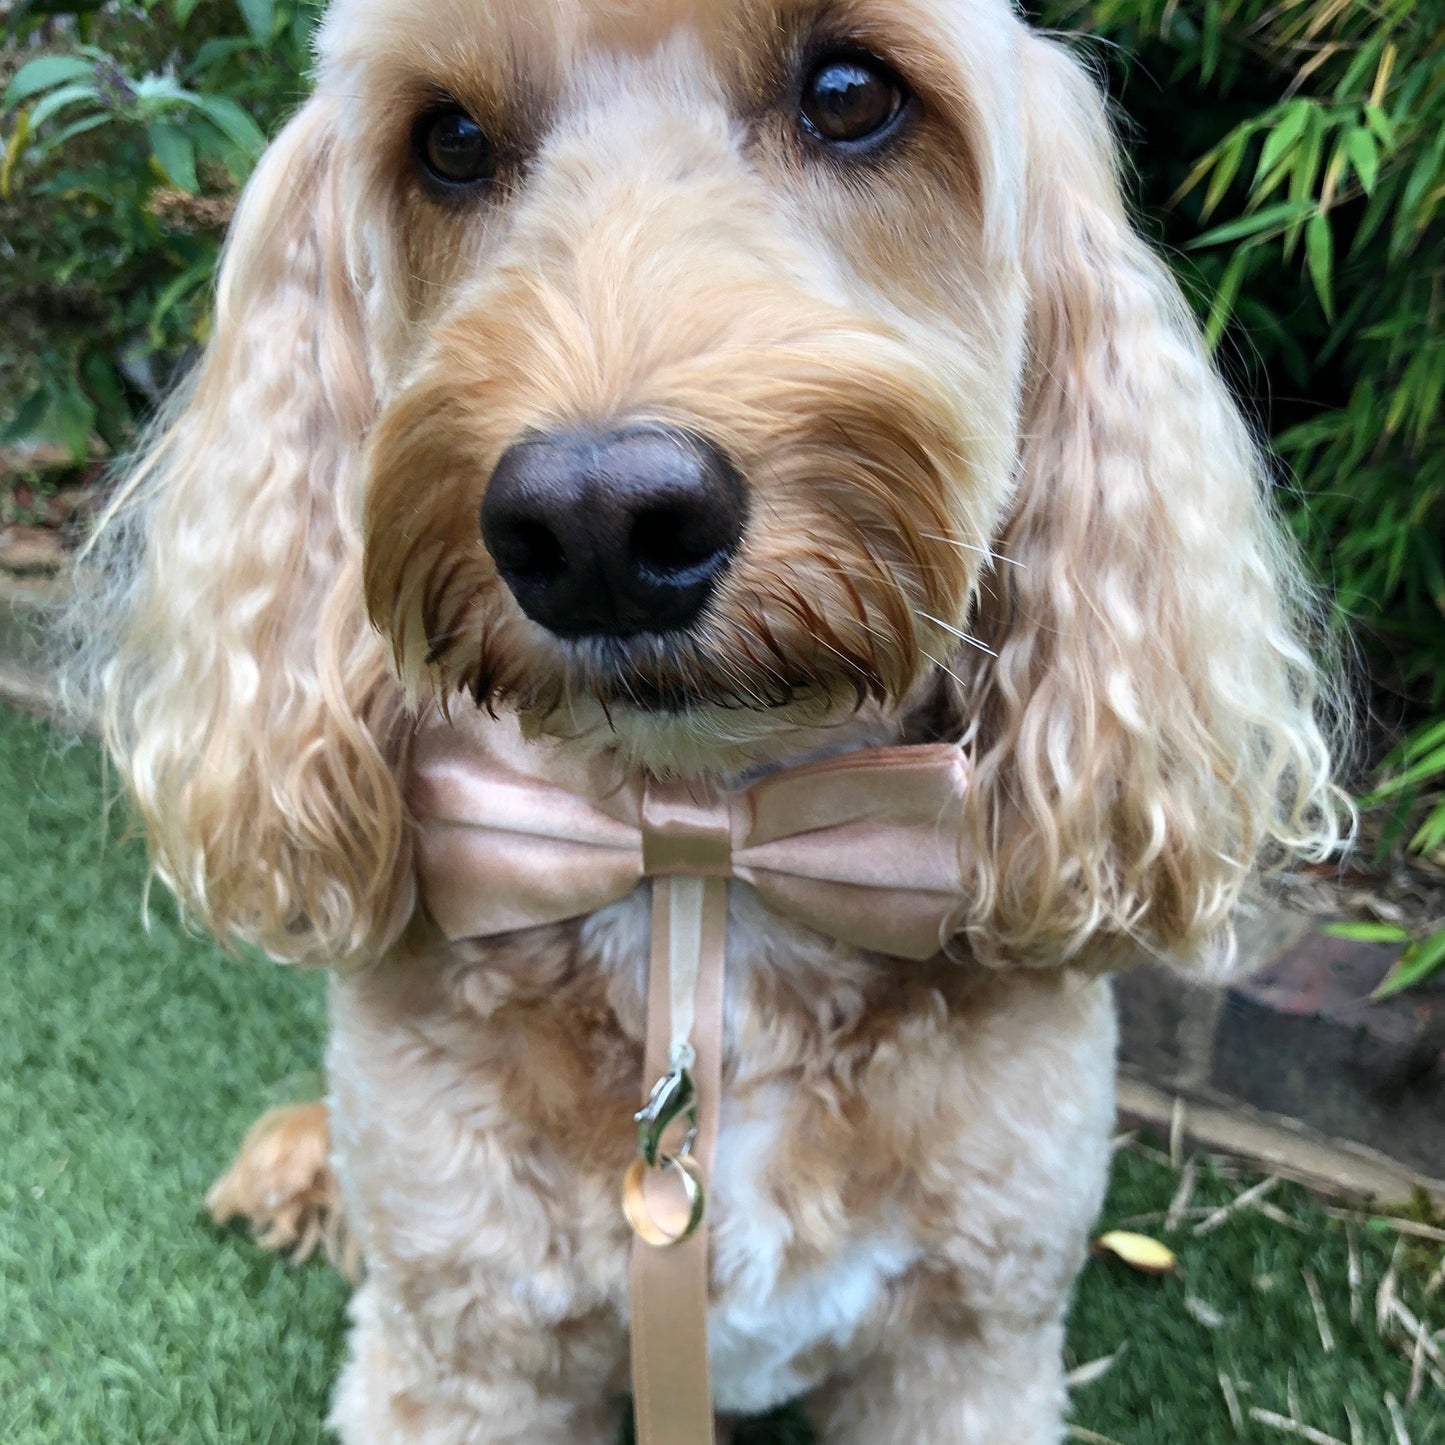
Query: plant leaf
point(1222, 305)
point(1418, 962)
point(14, 149)
point(233, 123)
point(1364, 156)
point(1425, 767)
point(259, 16)
point(1283, 135)
point(73, 418)
point(28, 420)
point(56, 100)
point(1319, 256)
point(1366, 932)
point(1271, 219)
point(175, 153)
point(43, 73)
point(58, 138)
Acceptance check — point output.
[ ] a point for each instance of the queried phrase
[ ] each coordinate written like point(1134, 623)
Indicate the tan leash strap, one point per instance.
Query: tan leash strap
point(669, 1282)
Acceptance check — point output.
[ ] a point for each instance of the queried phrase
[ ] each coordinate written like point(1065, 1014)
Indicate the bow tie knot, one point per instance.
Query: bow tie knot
point(686, 831)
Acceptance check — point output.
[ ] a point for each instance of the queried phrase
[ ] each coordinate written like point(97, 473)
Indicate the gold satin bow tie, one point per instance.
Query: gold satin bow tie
point(514, 834)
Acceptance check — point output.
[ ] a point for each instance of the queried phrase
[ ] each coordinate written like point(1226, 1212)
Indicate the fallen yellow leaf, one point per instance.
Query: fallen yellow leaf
point(1138, 1251)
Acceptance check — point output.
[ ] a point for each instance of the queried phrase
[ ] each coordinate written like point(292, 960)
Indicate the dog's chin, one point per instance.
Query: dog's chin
point(696, 724)
point(705, 739)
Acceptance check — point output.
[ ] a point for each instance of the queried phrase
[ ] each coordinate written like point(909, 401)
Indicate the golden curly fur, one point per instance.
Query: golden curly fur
point(999, 493)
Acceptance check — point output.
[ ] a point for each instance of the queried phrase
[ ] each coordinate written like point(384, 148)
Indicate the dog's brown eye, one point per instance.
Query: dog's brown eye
point(453, 149)
point(851, 98)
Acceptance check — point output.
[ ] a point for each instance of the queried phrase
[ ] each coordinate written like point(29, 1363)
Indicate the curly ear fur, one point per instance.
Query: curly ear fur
point(1149, 731)
point(246, 698)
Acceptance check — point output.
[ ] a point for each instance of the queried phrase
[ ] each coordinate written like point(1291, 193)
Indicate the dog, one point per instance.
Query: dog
point(710, 385)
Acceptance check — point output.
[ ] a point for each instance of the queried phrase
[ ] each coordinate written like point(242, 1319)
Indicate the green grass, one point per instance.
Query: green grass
point(130, 1063)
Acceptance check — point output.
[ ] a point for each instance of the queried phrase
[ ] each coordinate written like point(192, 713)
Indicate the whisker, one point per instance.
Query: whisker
point(944, 667)
point(982, 551)
point(962, 636)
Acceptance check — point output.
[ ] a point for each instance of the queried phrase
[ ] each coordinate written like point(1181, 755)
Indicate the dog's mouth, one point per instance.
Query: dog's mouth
point(669, 674)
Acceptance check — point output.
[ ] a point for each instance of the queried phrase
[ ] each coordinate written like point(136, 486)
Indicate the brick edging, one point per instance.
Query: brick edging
point(1301, 1039)
point(1280, 1146)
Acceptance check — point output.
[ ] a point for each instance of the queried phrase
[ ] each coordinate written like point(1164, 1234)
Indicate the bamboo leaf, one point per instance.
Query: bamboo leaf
point(1209, 54)
point(260, 17)
point(1418, 771)
point(1379, 124)
point(1366, 932)
point(1363, 156)
point(1225, 170)
point(1418, 962)
point(1222, 304)
point(1271, 220)
point(1431, 834)
point(1429, 738)
point(1282, 136)
point(1302, 175)
point(1319, 256)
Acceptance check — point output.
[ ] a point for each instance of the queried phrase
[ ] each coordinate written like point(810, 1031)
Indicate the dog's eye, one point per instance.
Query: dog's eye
point(453, 149)
point(849, 98)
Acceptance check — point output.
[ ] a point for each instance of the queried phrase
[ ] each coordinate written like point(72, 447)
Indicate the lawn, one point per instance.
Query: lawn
point(131, 1061)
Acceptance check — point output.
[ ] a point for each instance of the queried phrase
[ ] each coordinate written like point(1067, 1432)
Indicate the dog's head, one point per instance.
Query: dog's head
point(698, 411)
point(697, 375)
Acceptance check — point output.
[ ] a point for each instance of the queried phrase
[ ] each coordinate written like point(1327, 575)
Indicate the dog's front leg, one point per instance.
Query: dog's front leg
point(525, 1388)
point(996, 1382)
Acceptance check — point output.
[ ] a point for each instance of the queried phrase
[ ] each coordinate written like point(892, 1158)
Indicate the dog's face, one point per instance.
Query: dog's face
point(699, 383)
point(689, 374)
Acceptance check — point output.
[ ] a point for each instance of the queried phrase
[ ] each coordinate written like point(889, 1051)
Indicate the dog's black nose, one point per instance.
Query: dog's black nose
point(613, 533)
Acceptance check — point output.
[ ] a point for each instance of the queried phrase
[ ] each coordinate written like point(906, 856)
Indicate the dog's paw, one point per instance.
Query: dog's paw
point(282, 1184)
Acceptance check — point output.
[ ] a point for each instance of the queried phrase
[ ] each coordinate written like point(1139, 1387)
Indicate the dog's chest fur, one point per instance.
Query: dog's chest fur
point(891, 1134)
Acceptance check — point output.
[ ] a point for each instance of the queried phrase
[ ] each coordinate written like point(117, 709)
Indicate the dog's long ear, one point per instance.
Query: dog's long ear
point(1147, 733)
point(245, 697)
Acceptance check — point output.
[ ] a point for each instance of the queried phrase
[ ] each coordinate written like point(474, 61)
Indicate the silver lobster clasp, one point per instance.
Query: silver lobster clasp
point(673, 1097)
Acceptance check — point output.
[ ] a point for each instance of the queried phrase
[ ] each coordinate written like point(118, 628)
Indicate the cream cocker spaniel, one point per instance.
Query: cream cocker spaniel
point(718, 383)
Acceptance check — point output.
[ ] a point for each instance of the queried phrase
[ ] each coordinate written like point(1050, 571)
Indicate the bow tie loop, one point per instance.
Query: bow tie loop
point(686, 830)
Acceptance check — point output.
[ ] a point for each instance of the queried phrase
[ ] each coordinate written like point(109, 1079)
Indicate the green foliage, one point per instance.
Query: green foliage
point(1413, 771)
point(1293, 156)
point(121, 149)
point(1312, 206)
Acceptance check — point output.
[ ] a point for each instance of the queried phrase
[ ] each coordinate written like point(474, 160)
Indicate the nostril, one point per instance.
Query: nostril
point(529, 550)
point(669, 543)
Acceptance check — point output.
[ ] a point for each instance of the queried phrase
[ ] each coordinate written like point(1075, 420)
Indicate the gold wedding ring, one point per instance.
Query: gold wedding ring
point(634, 1203)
